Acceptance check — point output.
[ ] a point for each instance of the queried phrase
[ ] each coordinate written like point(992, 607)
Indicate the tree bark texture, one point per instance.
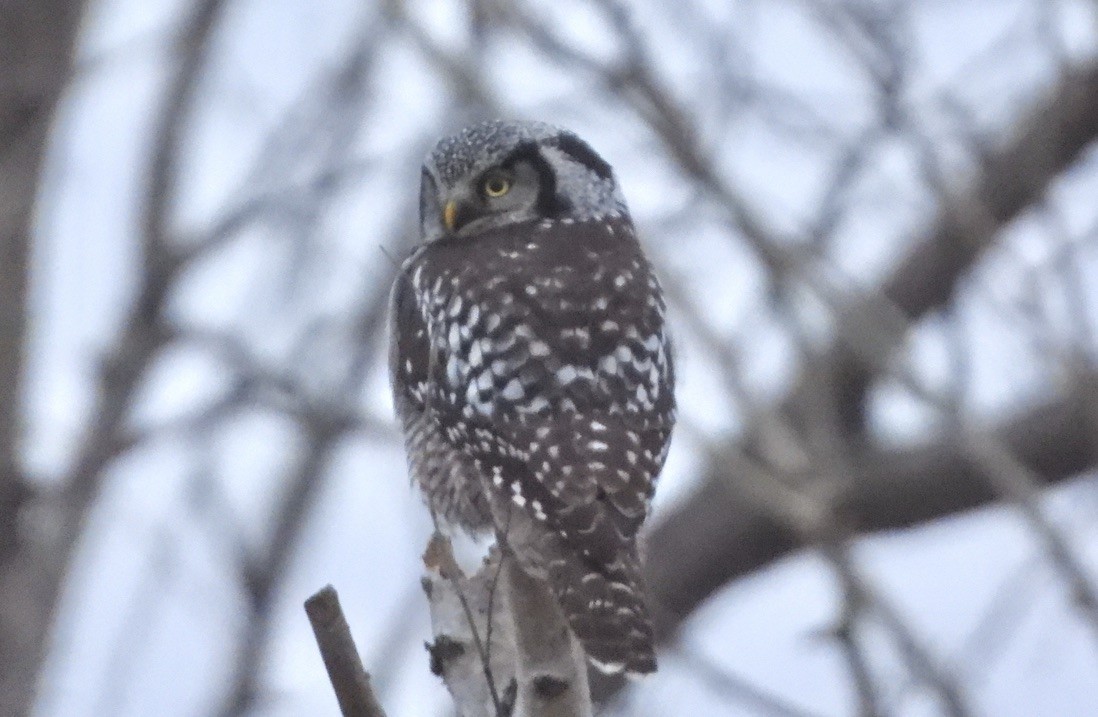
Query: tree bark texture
point(551, 671)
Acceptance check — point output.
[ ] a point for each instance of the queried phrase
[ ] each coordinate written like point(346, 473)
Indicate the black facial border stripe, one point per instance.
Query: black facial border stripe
point(580, 151)
point(428, 194)
point(549, 203)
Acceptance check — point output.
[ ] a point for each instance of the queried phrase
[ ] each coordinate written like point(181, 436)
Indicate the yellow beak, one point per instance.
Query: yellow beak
point(449, 215)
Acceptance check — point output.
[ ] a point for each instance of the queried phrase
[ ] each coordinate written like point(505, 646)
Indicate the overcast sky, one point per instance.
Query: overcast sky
point(148, 621)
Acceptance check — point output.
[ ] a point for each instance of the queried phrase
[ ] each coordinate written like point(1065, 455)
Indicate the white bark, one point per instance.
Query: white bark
point(463, 653)
point(529, 666)
point(552, 669)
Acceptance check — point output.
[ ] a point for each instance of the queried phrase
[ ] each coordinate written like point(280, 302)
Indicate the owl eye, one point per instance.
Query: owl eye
point(497, 185)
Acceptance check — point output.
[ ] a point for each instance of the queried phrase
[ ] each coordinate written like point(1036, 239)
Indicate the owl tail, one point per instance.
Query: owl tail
point(604, 606)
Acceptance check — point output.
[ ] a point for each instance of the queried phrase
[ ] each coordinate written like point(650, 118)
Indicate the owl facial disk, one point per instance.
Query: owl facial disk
point(500, 195)
point(498, 173)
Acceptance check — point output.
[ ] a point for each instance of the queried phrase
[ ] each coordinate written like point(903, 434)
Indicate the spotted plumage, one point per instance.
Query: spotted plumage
point(532, 372)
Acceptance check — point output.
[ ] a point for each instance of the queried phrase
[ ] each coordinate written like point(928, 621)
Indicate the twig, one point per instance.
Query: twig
point(465, 78)
point(1021, 486)
point(809, 520)
point(735, 687)
point(1003, 618)
point(1016, 483)
point(854, 653)
point(333, 636)
point(919, 659)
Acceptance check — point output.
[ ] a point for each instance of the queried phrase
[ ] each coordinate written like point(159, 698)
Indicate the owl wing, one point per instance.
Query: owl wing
point(409, 352)
point(450, 481)
point(570, 513)
point(591, 477)
point(575, 527)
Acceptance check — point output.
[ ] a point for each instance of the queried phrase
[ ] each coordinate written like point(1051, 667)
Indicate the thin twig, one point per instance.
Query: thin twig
point(919, 659)
point(738, 688)
point(1021, 486)
point(854, 652)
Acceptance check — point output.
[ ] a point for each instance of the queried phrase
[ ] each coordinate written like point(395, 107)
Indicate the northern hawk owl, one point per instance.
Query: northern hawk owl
point(532, 372)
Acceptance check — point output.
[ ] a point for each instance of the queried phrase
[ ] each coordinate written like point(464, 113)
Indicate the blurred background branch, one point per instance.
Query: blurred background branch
point(876, 225)
point(37, 45)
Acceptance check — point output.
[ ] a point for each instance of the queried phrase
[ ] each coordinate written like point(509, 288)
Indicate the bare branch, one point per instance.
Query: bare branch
point(1021, 486)
point(41, 69)
point(36, 50)
point(893, 488)
point(854, 653)
point(144, 331)
point(735, 687)
point(333, 636)
point(1048, 139)
point(462, 74)
point(919, 659)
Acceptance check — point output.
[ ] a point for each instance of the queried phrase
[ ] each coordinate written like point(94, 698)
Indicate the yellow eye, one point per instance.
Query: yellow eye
point(496, 185)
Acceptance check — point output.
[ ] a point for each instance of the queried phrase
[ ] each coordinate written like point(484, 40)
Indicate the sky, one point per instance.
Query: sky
point(149, 618)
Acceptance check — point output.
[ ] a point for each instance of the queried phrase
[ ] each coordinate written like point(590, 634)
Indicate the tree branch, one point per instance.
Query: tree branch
point(144, 331)
point(37, 43)
point(1021, 486)
point(552, 668)
point(906, 487)
point(892, 489)
point(333, 636)
point(262, 576)
point(943, 684)
point(1050, 137)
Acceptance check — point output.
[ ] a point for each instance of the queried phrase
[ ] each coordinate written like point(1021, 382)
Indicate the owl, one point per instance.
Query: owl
point(532, 372)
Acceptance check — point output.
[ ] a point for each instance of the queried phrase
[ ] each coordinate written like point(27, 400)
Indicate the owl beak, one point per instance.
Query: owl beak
point(456, 213)
point(449, 215)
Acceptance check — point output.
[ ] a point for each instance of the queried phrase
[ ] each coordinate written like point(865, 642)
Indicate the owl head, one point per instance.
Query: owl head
point(501, 173)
